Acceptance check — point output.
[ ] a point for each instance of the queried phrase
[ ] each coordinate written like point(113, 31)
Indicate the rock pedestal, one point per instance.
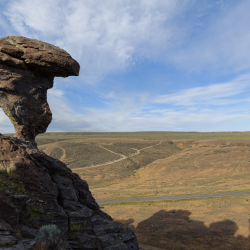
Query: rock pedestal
point(27, 71)
point(35, 189)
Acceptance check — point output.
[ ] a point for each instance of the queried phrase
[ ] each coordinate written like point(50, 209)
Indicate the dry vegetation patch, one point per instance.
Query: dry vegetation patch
point(191, 163)
point(78, 154)
point(152, 135)
point(120, 148)
point(202, 168)
point(114, 173)
point(170, 168)
point(108, 174)
point(209, 223)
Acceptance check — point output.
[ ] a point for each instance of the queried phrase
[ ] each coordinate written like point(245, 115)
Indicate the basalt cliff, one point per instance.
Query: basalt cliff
point(35, 189)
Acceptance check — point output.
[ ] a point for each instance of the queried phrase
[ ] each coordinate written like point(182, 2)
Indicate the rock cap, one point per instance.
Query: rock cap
point(39, 56)
point(27, 71)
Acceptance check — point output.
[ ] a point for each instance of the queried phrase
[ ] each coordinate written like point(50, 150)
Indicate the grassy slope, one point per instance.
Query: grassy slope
point(196, 163)
point(187, 166)
point(206, 168)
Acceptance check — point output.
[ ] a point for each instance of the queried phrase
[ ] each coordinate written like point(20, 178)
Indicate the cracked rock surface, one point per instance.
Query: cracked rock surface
point(37, 190)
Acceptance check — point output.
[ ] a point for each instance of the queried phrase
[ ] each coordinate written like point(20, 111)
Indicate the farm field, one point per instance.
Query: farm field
point(147, 164)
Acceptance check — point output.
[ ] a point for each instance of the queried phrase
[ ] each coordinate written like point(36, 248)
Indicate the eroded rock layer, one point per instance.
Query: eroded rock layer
point(27, 71)
point(37, 190)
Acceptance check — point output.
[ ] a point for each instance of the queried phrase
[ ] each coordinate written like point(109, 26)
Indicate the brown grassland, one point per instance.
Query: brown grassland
point(144, 164)
point(210, 223)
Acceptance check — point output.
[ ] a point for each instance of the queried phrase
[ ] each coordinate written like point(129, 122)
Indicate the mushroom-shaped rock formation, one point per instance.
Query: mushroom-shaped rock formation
point(27, 71)
point(35, 189)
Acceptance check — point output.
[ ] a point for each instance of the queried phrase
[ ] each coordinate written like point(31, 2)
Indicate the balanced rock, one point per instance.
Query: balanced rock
point(36, 189)
point(27, 71)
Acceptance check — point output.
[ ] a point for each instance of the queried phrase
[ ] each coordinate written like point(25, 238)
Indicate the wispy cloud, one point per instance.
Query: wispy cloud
point(221, 43)
point(64, 117)
point(5, 27)
point(109, 37)
point(138, 112)
point(170, 120)
point(214, 94)
point(104, 36)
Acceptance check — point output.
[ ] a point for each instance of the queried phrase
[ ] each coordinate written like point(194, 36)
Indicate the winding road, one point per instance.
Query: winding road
point(174, 197)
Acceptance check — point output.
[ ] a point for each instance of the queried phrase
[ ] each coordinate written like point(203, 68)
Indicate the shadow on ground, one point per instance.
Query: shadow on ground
point(175, 230)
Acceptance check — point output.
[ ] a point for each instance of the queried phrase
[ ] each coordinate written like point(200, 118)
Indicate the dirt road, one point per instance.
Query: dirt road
point(122, 156)
point(174, 197)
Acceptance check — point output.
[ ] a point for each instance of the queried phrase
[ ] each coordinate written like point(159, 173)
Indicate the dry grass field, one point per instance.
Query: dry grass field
point(144, 164)
point(82, 155)
point(154, 135)
point(198, 224)
point(78, 154)
point(202, 167)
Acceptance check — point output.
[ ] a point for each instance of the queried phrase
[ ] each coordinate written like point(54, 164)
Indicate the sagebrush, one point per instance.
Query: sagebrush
point(47, 232)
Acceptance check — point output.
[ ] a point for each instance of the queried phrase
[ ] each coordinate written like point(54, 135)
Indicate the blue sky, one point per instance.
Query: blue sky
point(146, 65)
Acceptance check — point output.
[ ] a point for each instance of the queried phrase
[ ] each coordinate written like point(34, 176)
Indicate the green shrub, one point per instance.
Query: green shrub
point(47, 232)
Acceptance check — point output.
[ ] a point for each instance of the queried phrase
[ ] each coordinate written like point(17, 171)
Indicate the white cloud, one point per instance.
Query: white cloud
point(214, 94)
point(134, 112)
point(5, 124)
point(5, 28)
point(108, 36)
point(104, 36)
point(64, 118)
point(128, 112)
point(222, 43)
point(169, 120)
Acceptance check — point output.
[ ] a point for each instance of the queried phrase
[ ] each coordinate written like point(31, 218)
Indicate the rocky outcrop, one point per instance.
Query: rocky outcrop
point(27, 71)
point(35, 189)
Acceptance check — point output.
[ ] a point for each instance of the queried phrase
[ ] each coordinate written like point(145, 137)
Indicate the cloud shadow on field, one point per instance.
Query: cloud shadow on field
point(175, 230)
